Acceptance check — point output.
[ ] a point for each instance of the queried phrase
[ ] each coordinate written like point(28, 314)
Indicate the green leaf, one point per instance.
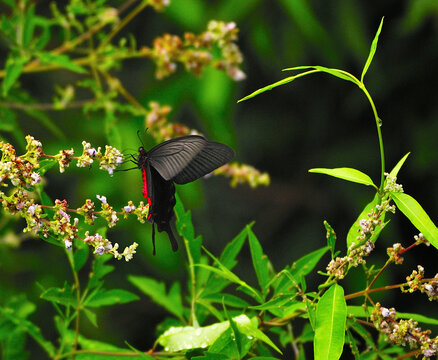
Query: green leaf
point(110, 297)
point(64, 296)
point(80, 255)
point(353, 233)
point(28, 25)
point(251, 329)
point(227, 274)
point(331, 314)
point(331, 237)
point(157, 292)
point(91, 316)
point(348, 174)
point(233, 248)
point(335, 72)
point(372, 51)
point(100, 269)
point(14, 66)
point(61, 60)
point(274, 85)
point(184, 224)
point(277, 301)
point(188, 337)
point(417, 216)
point(13, 315)
point(299, 268)
point(259, 260)
point(394, 172)
point(227, 299)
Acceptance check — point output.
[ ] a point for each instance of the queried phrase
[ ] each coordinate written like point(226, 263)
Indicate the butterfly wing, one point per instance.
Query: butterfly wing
point(211, 156)
point(171, 157)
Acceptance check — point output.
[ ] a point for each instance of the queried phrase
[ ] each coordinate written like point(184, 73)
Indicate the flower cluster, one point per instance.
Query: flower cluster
point(61, 225)
point(112, 159)
point(104, 246)
point(403, 332)
point(416, 282)
point(391, 184)
point(20, 170)
point(160, 128)
point(159, 5)
point(395, 252)
point(339, 266)
point(108, 212)
point(242, 173)
point(88, 155)
point(141, 211)
point(64, 157)
point(195, 52)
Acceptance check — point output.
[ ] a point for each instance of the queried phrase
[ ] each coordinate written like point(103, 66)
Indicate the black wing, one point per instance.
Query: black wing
point(187, 158)
point(171, 157)
point(211, 156)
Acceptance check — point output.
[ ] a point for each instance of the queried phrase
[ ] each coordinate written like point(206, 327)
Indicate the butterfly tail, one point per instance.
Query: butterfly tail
point(172, 239)
point(153, 238)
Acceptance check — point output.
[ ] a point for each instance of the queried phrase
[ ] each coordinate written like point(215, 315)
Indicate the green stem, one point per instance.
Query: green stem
point(78, 298)
point(379, 134)
point(193, 319)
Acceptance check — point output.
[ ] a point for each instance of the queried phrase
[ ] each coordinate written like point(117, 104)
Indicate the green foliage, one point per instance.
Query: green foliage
point(217, 310)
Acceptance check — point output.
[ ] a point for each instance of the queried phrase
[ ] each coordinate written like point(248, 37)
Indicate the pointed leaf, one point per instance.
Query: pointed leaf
point(157, 292)
point(64, 296)
point(189, 337)
point(259, 261)
point(335, 72)
point(348, 174)
point(418, 217)
point(372, 51)
point(331, 237)
point(13, 68)
point(278, 83)
point(61, 60)
point(110, 297)
point(397, 168)
point(331, 314)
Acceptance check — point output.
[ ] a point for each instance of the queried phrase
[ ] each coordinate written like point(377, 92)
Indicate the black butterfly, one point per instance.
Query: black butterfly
point(180, 160)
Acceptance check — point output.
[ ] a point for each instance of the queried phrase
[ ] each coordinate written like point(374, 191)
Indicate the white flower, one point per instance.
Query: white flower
point(102, 198)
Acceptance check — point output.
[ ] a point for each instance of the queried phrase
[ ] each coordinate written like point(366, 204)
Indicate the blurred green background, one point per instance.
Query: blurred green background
point(318, 121)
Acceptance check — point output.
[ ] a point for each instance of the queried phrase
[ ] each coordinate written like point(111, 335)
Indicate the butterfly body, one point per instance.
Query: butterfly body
point(180, 160)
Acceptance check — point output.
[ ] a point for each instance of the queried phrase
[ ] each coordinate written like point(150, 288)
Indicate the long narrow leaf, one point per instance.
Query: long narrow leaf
point(278, 83)
point(335, 72)
point(417, 216)
point(348, 174)
point(331, 315)
point(372, 51)
point(259, 261)
point(397, 168)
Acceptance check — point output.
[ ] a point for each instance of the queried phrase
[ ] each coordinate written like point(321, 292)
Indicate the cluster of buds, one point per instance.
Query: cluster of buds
point(395, 253)
point(368, 226)
point(242, 173)
point(391, 184)
point(195, 52)
point(20, 170)
point(416, 282)
point(338, 267)
point(160, 128)
point(403, 332)
point(159, 5)
point(104, 246)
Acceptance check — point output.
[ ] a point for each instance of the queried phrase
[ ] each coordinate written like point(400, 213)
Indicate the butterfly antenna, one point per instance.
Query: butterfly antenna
point(139, 137)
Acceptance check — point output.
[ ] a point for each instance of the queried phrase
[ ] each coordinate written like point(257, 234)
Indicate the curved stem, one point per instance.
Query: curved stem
point(379, 134)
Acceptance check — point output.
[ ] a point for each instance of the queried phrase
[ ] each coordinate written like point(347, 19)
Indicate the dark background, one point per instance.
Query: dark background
point(318, 121)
